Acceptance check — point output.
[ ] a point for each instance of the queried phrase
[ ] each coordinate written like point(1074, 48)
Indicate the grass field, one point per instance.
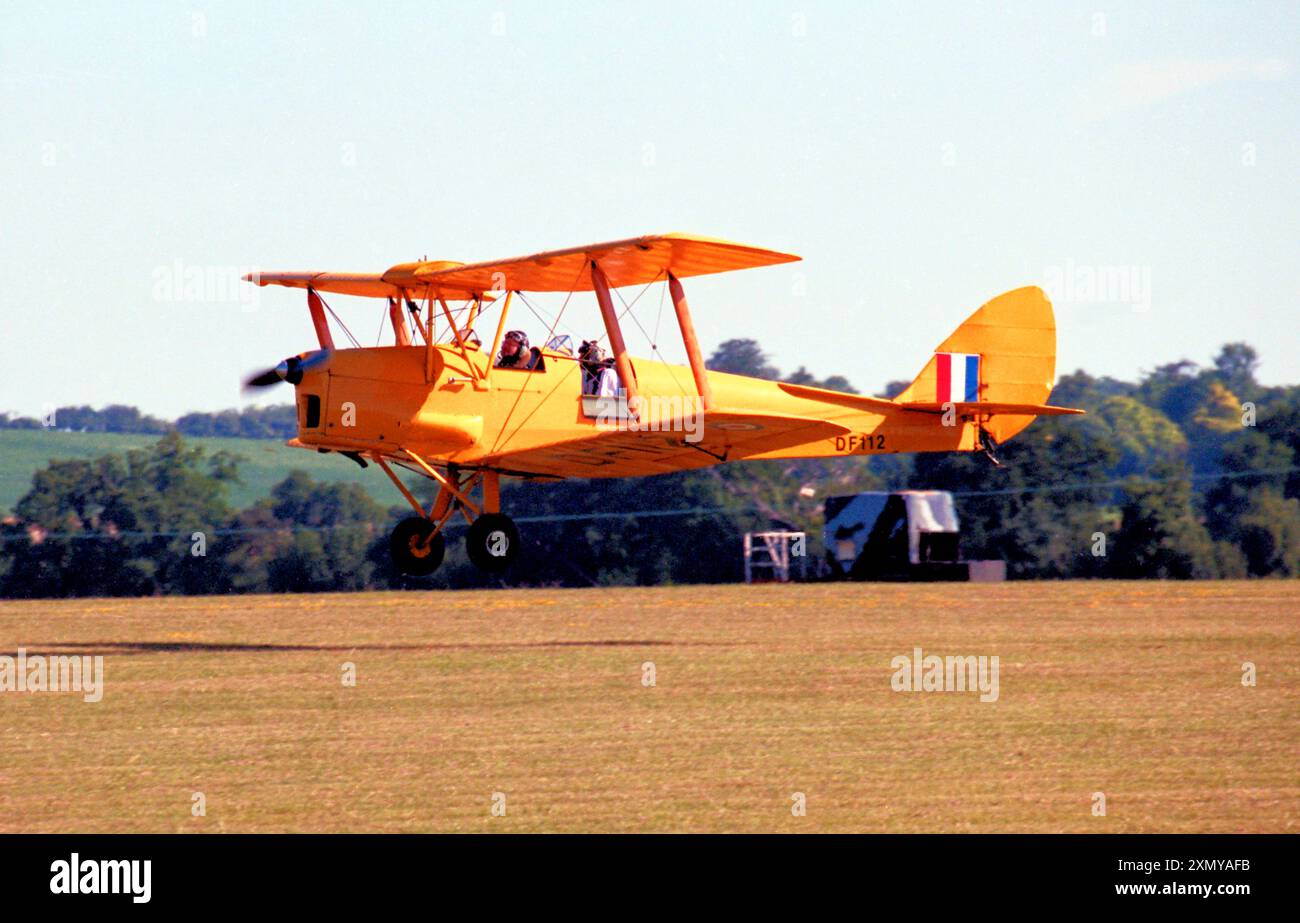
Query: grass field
point(264, 463)
point(1130, 689)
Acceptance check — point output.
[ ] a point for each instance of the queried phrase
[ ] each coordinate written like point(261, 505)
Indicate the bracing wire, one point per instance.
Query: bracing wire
point(343, 326)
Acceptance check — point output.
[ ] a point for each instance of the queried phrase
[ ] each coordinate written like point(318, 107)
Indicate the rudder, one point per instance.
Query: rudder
point(1014, 336)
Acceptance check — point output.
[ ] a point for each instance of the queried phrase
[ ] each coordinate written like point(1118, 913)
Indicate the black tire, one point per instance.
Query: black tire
point(492, 542)
point(413, 552)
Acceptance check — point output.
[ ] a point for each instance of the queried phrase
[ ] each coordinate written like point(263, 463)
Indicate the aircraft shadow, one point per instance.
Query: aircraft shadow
point(206, 647)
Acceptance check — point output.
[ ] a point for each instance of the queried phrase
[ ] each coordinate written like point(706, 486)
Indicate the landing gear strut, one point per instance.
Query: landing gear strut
point(417, 544)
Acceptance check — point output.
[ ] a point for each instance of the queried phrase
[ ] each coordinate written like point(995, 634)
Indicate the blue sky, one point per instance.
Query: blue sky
point(922, 158)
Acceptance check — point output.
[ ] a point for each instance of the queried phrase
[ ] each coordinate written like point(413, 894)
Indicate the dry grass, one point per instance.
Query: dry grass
point(1132, 689)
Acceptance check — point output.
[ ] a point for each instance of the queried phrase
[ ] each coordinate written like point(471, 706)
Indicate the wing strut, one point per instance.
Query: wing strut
point(428, 337)
point(496, 340)
point(690, 341)
point(460, 340)
point(615, 333)
point(399, 323)
point(317, 309)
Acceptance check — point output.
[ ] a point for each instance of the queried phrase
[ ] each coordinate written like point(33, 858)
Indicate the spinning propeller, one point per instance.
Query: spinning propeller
point(291, 370)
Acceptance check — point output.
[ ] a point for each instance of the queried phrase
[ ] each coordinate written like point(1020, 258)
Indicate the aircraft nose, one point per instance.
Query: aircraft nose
point(291, 370)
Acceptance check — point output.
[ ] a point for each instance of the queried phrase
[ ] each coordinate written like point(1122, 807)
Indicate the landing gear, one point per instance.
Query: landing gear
point(416, 549)
point(989, 447)
point(417, 544)
point(492, 542)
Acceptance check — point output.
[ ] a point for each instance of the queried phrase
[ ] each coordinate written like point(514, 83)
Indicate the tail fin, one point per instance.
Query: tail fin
point(1004, 353)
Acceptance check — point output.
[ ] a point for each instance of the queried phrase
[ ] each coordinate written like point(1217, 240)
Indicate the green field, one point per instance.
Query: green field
point(1129, 689)
point(265, 462)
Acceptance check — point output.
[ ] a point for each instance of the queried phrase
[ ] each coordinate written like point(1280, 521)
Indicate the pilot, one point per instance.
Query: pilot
point(515, 353)
point(598, 375)
point(608, 384)
point(591, 358)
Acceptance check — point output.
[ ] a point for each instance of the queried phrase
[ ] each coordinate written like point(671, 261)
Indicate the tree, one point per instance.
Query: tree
point(122, 525)
point(8, 421)
point(1218, 413)
point(115, 418)
point(802, 376)
point(1079, 389)
point(1280, 423)
point(1143, 435)
point(308, 537)
point(742, 357)
point(1268, 534)
point(1159, 533)
point(277, 422)
point(1249, 462)
point(1172, 389)
point(1037, 512)
point(1236, 364)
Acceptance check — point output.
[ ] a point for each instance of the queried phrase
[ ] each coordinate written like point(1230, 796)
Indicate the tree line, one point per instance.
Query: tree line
point(276, 422)
point(1189, 472)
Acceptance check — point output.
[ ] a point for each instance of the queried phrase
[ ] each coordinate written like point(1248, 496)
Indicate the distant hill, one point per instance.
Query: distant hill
point(265, 462)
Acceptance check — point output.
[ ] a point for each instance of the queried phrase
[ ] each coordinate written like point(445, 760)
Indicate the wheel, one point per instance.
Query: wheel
point(413, 551)
point(492, 542)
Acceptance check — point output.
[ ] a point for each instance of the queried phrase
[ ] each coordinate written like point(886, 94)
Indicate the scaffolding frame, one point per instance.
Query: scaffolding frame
point(770, 551)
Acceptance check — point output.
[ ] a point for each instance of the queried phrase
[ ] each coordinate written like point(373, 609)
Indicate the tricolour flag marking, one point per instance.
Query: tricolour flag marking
point(958, 377)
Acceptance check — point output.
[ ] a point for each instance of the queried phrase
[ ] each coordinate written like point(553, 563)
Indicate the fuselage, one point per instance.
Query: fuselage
point(538, 422)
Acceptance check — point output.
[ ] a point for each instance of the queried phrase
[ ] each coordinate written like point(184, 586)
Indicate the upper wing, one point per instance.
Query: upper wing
point(635, 261)
point(397, 282)
point(623, 453)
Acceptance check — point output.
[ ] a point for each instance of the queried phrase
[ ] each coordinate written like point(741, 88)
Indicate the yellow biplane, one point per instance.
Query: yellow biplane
point(438, 403)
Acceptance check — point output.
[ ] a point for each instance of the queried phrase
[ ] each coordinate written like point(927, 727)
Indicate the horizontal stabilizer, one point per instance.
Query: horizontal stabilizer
point(857, 401)
point(970, 407)
point(884, 405)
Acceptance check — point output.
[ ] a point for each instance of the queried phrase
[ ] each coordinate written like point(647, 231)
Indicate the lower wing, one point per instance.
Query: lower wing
point(629, 448)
